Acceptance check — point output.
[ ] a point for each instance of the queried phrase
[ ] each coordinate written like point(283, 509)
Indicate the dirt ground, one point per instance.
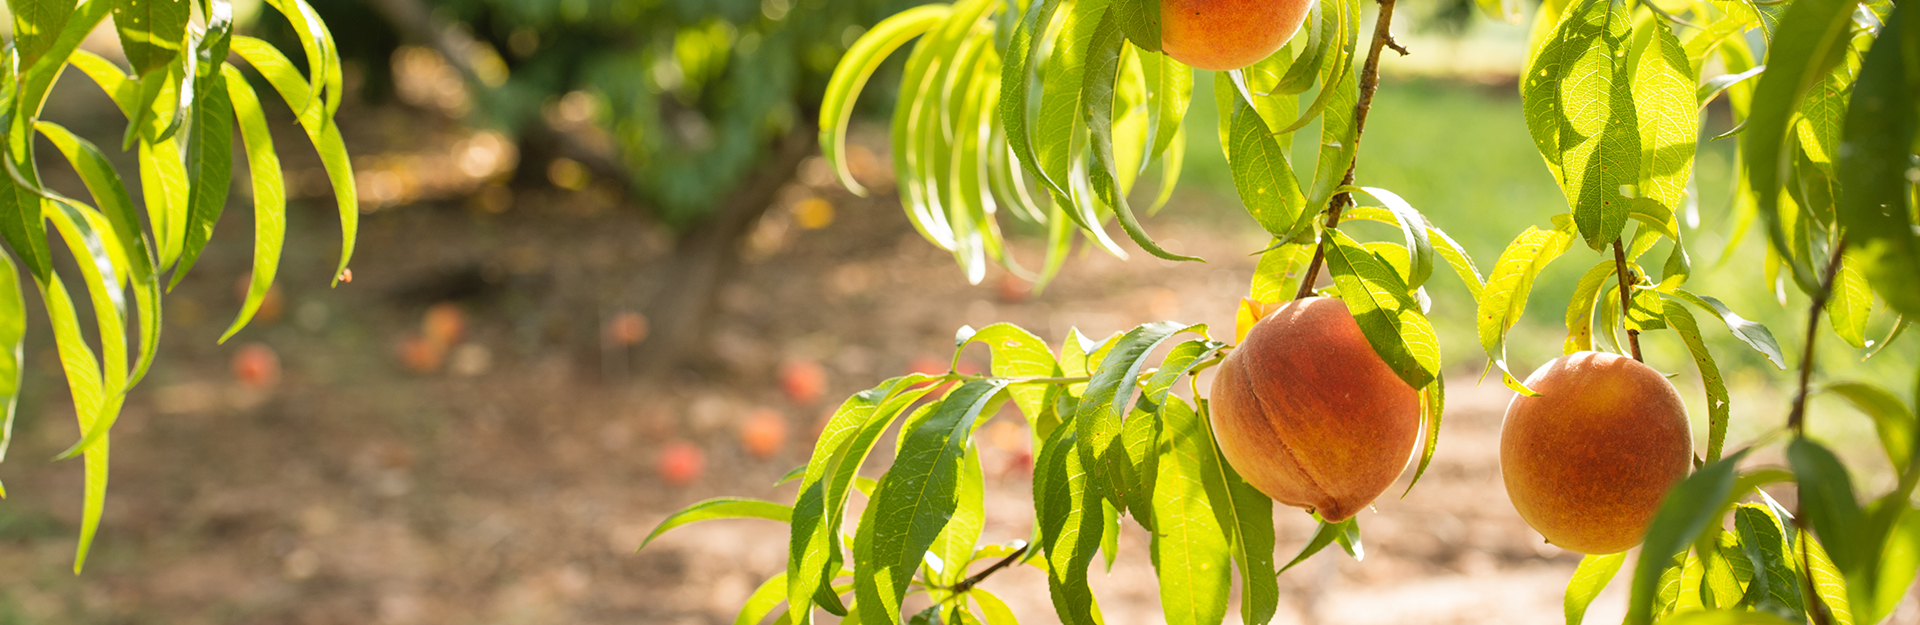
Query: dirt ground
point(513, 483)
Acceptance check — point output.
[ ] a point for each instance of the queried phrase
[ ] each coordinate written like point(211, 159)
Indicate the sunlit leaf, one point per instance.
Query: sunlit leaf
point(1750, 332)
point(914, 500)
point(1505, 296)
point(1104, 405)
point(1874, 160)
point(324, 134)
point(1828, 584)
point(152, 32)
point(1068, 522)
point(1775, 585)
point(1262, 173)
point(1687, 510)
point(1891, 418)
point(1246, 516)
point(1102, 68)
point(721, 508)
point(1592, 575)
point(1383, 307)
point(1189, 548)
point(1811, 38)
point(1718, 400)
point(13, 329)
point(1828, 505)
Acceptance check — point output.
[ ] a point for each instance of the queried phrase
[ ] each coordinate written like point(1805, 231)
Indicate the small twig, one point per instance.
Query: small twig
point(968, 583)
point(1797, 418)
point(1626, 297)
point(1395, 45)
point(1369, 82)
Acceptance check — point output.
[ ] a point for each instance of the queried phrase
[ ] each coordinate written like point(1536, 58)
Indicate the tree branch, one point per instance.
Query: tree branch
point(1626, 297)
point(968, 583)
point(1796, 419)
point(1369, 82)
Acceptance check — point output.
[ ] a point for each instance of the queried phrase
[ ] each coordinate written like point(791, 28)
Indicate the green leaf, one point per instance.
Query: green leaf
point(953, 548)
point(89, 398)
point(1599, 144)
point(1067, 519)
point(1505, 295)
point(269, 195)
point(108, 192)
point(814, 542)
point(1457, 257)
point(1750, 332)
point(1140, 20)
point(1504, 10)
point(1189, 547)
point(1876, 147)
point(324, 64)
point(1019, 353)
point(209, 167)
point(1170, 86)
point(1811, 38)
point(13, 332)
point(1828, 505)
point(1414, 226)
point(36, 25)
point(914, 500)
point(1102, 70)
point(1899, 326)
point(1246, 516)
point(1385, 310)
point(1062, 94)
point(1668, 114)
point(1718, 401)
point(152, 32)
point(762, 601)
point(1687, 510)
point(1262, 173)
point(1433, 403)
point(1897, 565)
point(1892, 420)
point(89, 238)
point(1849, 303)
point(324, 134)
point(1016, 88)
point(1580, 310)
point(1725, 617)
point(1108, 397)
point(1828, 584)
point(1339, 138)
point(1775, 586)
point(721, 508)
point(1592, 576)
point(1324, 534)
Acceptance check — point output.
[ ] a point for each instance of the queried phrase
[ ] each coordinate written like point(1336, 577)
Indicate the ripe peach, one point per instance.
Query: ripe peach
point(420, 355)
point(804, 381)
point(627, 329)
point(1587, 462)
point(444, 324)
point(1227, 34)
point(764, 433)
point(680, 463)
point(1310, 415)
point(256, 366)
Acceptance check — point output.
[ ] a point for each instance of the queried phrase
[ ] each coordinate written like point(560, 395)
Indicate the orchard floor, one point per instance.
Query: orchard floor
point(513, 484)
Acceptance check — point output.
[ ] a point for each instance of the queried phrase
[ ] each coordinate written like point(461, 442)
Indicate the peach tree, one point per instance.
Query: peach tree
point(183, 98)
point(1048, 112)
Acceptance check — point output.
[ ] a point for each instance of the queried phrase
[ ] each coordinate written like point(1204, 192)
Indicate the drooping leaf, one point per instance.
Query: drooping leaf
point(1067, 519)
point(269, 195)
point(1669, 117)
point(1324, 534)
point(721, 508)
point(1104, 407)
point(1016, 88)
point(1686, 511)
point(1140, 20)
point(1246, 516)
point(1718, 401)
point(1505, 296)
point(1102, 68)
point(1018, 353)
point(1750, 332)
point(1774, 586)
point(1849, 303)
point(1189, 547)
point(1828, 584)
point(1810, 40)
point(1876, 144)
point(1262, 173)
point(1580, 310)
point(209, 156)
point(1592, 575)
point(1892, 420)
point(152, 32)
point(954, 547)
point(321, 130)
point(1385, 310)
point(1828, 505)
point(13, 331)
point(108, 192)
point(914, 500)
point(1433, 402)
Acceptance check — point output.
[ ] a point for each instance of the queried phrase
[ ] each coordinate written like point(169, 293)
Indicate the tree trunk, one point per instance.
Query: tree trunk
point(705, 256)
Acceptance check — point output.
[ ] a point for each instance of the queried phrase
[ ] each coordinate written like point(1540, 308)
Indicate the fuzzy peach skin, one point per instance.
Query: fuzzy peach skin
point(1308, 414)
point(1227, 34)
point(1587, 462)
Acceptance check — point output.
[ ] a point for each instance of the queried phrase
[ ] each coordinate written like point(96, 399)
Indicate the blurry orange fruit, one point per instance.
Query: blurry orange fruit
point(681, 463)
point(804, 381)
point(256, 366)
point(764, 433)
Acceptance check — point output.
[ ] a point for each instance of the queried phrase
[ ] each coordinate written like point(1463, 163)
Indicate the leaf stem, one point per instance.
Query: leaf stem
point(1626, 297)
point(1796, 420)
point(968, 583)
point(1369, 82)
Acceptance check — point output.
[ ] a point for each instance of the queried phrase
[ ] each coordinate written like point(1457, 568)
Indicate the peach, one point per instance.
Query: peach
point(680, 463)
point(764, 433)
point(803, 381)
point(1587, 462)
point(1310, 415)
point(256, 366)
point(1221, 35)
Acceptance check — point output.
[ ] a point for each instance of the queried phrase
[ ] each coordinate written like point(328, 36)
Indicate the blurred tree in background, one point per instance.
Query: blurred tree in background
point(702, 109)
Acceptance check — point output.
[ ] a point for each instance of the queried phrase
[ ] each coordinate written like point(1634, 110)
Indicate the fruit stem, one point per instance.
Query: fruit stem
point(1369, 81)
point(1626, 297)
point(1796, 419)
